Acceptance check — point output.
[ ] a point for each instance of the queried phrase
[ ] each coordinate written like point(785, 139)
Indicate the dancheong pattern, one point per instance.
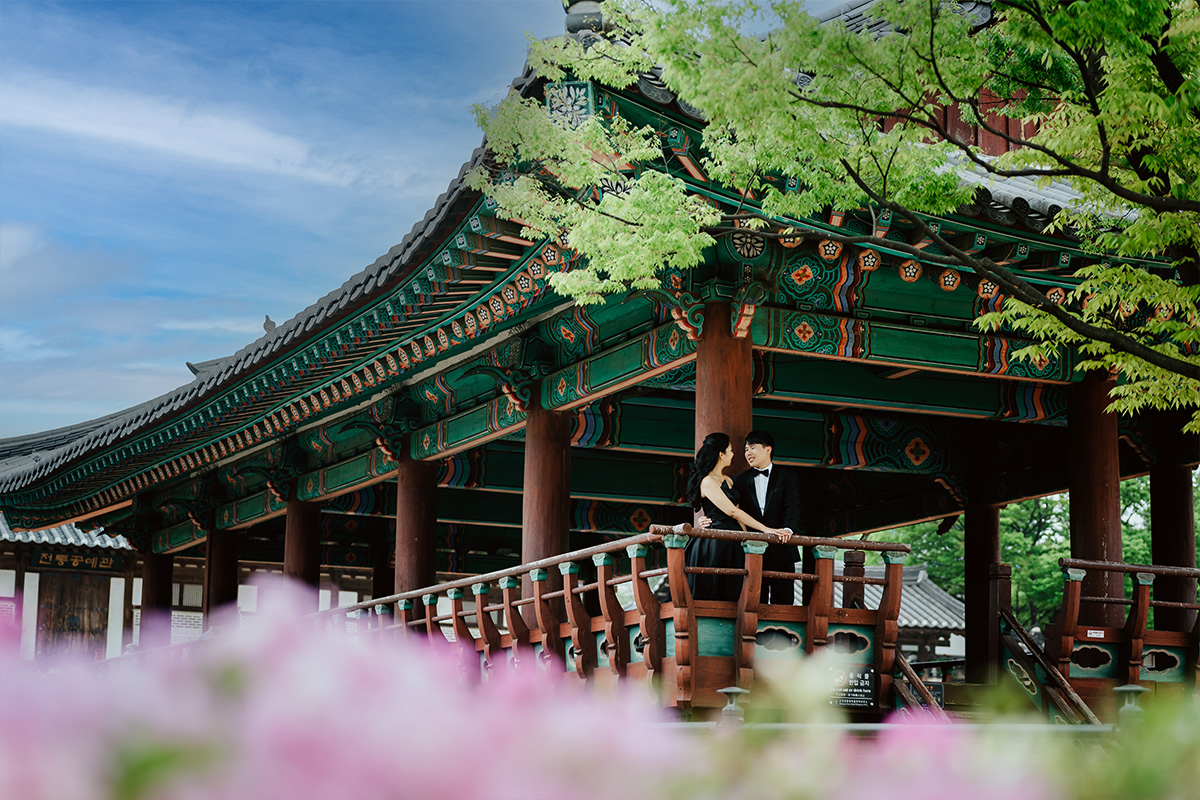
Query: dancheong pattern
point(822, 334)
point(853, 441)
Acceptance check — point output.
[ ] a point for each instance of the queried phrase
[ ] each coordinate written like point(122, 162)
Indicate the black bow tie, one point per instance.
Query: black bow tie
point(766, 473)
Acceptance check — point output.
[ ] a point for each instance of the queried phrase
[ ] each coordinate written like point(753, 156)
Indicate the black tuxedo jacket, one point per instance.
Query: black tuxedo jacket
point(783, 503)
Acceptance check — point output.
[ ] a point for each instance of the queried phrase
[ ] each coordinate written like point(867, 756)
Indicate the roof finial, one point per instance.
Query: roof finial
point(584, 15)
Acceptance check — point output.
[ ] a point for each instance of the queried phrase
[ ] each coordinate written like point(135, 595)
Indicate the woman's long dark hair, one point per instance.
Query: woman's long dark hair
point(706, 458)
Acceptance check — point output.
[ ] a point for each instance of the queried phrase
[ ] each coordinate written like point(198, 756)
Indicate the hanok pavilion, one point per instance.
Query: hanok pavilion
point(511, 467)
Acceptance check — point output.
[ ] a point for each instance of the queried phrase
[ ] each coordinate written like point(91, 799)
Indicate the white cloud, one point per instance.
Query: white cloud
point(18, 241)
point(222, 324)
point(20, 344)
point(164, 125)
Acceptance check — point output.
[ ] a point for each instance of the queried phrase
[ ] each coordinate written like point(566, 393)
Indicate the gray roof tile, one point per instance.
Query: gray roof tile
point(923, 604)
point(66, 535)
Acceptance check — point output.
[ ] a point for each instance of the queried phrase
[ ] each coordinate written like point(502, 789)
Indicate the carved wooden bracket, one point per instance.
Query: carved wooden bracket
point(747, 300)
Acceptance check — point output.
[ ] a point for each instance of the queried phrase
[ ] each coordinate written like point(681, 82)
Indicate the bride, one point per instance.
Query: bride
point(712, 492)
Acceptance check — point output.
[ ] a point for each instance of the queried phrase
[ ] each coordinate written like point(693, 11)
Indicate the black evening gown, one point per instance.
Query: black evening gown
point(716, 553)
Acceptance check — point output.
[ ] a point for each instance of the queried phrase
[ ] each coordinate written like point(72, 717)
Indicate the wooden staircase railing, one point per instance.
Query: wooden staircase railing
point(1029, 664)
point(913, 691)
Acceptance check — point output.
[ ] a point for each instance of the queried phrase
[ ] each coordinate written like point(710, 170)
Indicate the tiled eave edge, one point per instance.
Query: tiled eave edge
point(37, 464)
point(377, 371)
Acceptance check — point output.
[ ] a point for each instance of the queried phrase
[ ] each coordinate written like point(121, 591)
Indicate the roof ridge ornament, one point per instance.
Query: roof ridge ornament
point(584, 15)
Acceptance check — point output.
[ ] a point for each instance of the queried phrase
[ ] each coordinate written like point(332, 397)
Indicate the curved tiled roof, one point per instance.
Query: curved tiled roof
point(25, 459)
point(923, 604)
point(853, 14)
point(67, 535)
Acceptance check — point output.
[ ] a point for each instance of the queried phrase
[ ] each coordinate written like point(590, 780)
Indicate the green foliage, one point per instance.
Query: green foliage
point(1112, 88)
point(1034, 535)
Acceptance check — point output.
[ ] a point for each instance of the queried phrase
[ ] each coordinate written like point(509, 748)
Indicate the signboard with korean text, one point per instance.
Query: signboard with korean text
point(81, 562)
point(853, 686)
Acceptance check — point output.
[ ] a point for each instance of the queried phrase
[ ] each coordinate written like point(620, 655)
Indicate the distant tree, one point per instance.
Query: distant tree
point(942, 554)
point(1034, 534)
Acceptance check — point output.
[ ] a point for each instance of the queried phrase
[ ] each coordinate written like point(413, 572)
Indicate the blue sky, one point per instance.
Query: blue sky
point(171, 172)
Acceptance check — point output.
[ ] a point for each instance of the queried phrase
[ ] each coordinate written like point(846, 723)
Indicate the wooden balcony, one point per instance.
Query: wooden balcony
point(623, 611)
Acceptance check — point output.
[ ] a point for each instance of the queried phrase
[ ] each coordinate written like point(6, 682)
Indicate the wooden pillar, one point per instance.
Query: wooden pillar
point(127, 605)
point(220, 572)
point(981, 552)
point(1095, 484)
point(158, 572)
point(383, 573)
point(21, 553)
point(1172, 534)
point(302, 546)
point(724, 382)
point(546, 501)
point(416, 523)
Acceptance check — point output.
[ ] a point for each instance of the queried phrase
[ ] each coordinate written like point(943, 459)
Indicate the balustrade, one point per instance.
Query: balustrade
point(1095, 657)
point(690, 648)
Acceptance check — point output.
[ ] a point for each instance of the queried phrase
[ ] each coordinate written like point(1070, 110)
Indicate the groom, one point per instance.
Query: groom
point(771, 494)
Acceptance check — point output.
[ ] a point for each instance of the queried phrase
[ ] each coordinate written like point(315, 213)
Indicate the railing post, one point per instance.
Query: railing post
point(650, 623)
point(745, 628)
point(822, 599)
point(1068, 619)
point(615, 634)
point(684, 617)
point(1135, 626)
point(404, 614)
point(887, 626)
point(488, 635)
point(999, 597)
point(854, 566)
point(432, 629)
point(383, 616)
point(517, 630)
point(547, 619)
point(463, 638)
point(582, 640)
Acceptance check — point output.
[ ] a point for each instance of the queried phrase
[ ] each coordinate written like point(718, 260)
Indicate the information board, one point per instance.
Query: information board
point(854, 686)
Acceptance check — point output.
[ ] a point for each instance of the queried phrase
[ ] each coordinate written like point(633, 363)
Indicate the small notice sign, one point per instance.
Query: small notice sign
point(938, 690)
point(853, 686)
point(1091, 634)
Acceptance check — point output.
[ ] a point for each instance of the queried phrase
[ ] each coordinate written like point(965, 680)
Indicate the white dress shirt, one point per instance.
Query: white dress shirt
point(760, 486)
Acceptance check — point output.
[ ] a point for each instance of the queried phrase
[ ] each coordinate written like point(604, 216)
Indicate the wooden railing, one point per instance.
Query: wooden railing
point(691, 647)
point(913, 692)
point(562, 615)
point(1095, 655)
point(1031, 666)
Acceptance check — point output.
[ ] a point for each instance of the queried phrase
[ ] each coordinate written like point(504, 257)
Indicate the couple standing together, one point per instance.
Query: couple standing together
point(764, 498)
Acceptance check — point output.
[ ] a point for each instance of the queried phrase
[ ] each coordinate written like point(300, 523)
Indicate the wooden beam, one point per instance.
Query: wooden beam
point(546, 502)
point(981, 552)
point(724, 383)
point(1173, 531)
point(220, 572)
point(302, 546)
point(416, 523)
point(1095, 481)
point(155, 622)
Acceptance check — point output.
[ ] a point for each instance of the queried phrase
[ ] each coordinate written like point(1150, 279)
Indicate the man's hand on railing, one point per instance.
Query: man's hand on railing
point(781, 535)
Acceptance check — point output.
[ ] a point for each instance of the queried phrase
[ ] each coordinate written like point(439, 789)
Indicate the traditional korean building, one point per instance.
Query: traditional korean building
point(444, 413)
